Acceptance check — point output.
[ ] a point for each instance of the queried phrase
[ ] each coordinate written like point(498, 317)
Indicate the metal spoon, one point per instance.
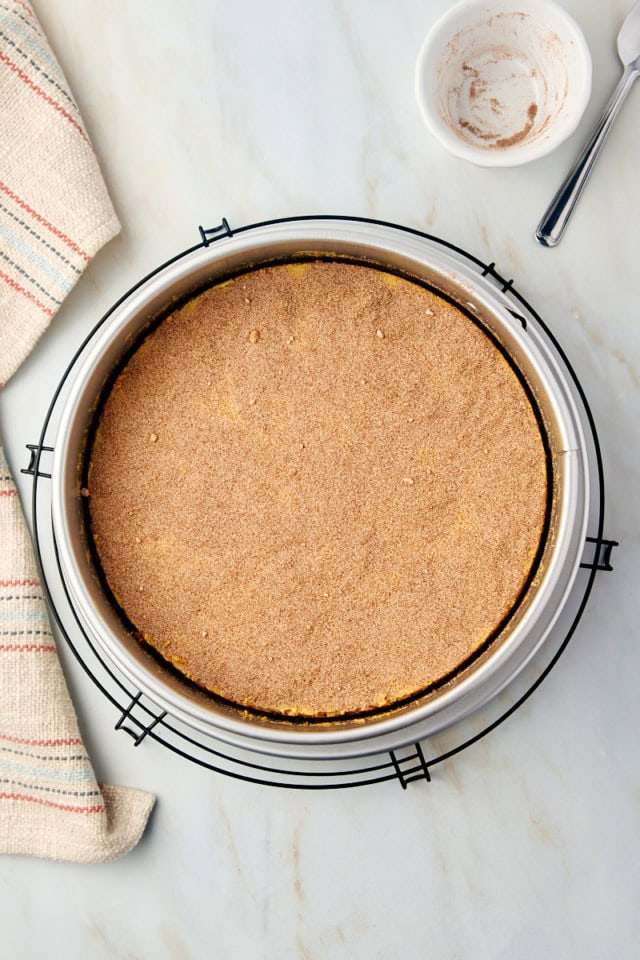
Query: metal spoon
point(557, 215)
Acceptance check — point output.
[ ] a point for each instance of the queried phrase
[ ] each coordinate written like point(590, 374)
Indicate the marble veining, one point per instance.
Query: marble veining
point(527, 844)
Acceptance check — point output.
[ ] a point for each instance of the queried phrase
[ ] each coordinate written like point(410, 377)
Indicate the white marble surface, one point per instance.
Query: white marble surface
point(525, 846)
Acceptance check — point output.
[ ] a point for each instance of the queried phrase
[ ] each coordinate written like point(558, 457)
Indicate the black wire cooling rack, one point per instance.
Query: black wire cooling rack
point(140, 717)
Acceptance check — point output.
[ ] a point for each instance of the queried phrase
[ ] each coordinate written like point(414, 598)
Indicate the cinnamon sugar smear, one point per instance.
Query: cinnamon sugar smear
point(317, 489)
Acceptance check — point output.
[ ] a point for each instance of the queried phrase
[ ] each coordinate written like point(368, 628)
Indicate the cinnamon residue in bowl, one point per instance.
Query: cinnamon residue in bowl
point(499, 93)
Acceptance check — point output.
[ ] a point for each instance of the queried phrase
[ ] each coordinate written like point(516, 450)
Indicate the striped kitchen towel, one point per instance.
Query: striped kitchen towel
point(55, 214)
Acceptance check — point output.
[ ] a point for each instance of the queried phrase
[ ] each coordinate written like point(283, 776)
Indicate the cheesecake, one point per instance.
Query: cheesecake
point(318, 490)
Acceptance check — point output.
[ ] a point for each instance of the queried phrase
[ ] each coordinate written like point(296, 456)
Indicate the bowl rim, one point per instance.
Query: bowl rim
point(436, 39)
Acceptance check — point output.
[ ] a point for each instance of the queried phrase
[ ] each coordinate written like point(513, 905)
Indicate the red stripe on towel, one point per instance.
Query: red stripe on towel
point(26, 648)
point(26, 8)
point(98, 808)
point(19, 583)
point(68, 742)
point(42, 93)
point(58, 233)
point(25, 293)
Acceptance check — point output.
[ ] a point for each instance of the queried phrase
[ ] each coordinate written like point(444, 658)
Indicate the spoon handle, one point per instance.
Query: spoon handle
point(557, 215)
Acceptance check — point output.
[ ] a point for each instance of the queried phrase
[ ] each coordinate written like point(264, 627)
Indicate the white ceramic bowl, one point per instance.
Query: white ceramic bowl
point(501, 83)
